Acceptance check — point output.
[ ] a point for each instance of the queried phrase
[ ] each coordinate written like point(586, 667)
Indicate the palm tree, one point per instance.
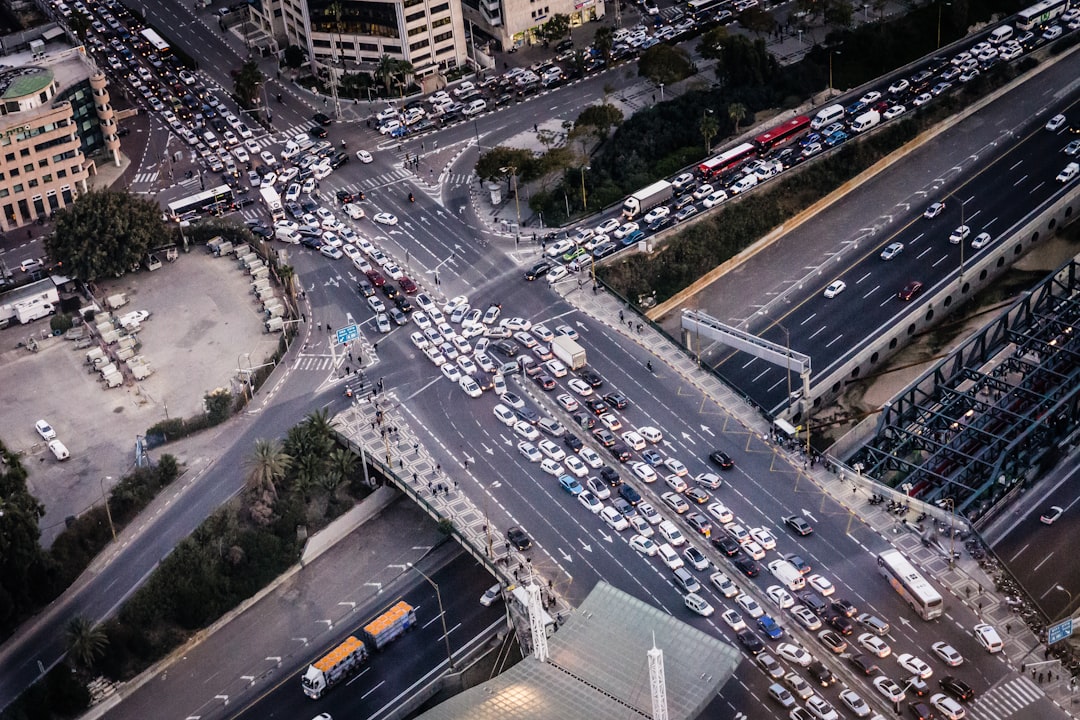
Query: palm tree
point(386, 69)
point(341, 464)
point(267, 466)
point(86, 642)
point(709, 128)
point(737, 113)
point(247, 84)
point(402, 70)
point(287, 273)
point(309, 469)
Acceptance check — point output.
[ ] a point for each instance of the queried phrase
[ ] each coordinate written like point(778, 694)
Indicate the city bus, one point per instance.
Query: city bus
point(725, 160)
point(157, 43)
point(913, 587)
point(781, 133)
point(1040, 13)
point(215, 201)
point(702, 9)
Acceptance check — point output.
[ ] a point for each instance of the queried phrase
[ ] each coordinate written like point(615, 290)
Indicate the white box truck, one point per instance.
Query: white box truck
point(569, 352)
point(787, 574)
point(647, 198)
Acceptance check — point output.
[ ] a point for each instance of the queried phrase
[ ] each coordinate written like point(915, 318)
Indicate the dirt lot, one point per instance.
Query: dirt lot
point(203, 321)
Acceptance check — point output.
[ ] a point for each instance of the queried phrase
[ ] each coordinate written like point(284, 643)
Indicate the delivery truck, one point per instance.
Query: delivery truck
point(391, 625)
point(569, 352)
point(339, 664)
point(647, 198)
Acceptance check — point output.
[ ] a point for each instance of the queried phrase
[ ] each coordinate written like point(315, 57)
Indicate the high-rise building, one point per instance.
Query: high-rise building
point(352, 36)
point(54, 114)
point(514, 23)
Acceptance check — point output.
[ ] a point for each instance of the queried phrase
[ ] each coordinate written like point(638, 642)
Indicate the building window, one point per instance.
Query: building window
point(28, 168)
point(43, 163)
point(25, 152)
point(17, 188)
point(414, 17)
point(61, 174)
point(417, 31)
point(440, 23)
point(4, 192)
point(47, 178)
point(33, 182)
point(15, 172)
point(444, 36)
point(10, 157)
point(444, 7)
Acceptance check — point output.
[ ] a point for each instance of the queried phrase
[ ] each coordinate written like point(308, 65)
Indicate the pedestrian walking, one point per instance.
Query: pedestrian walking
point(621, 316)
point(466, 465)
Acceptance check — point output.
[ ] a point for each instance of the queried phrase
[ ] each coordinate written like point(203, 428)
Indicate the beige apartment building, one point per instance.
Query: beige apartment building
point(514, 23)
point(356, 34)
point(54, 114)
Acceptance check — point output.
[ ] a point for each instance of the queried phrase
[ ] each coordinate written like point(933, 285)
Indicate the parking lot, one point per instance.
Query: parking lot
point(203, 320)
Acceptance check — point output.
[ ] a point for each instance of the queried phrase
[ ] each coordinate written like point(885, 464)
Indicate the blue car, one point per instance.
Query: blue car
point(836, 138)
point(570, 485)
point(809, 139)
point(770, 628)
point(652, 457)
point(633, 238)
point(401, 131)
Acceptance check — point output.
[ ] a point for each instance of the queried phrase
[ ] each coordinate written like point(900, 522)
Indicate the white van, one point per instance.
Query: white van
point(1001, 35)
point(865, 121)
point(287, 235)
point(476, 107)
point(788, 574)
point(827, 116)
point(211, 140)
point(744, 183)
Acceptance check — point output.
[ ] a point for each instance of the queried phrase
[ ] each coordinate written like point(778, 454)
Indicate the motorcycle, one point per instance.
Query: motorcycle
point(412, 198)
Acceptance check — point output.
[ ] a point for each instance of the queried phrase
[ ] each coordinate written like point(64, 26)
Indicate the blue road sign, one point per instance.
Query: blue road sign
point(1058, 632)
point(347, 334)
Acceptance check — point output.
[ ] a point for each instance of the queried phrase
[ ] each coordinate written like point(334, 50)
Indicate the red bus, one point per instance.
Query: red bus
point(780, 133)
point(719, 163)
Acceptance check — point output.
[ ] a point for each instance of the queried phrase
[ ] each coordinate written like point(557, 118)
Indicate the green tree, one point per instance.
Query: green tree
point(712, 43)
point(665, 64)
point(556, 28)
point(385, 70)
point(247, 84)
point(80, 25)
point(757, 20)
point(709, 127)
point(839, 12)
point(491, 165)
point(746, 63)
point(294, 56)
point(737, 113)
point(603, 41)
point(599, 117)
point(86, 642)
point(104, 233)
point(266, 467)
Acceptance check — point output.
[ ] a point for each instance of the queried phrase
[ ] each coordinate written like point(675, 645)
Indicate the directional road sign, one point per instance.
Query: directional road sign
point(1062, 630)
point(347, 334)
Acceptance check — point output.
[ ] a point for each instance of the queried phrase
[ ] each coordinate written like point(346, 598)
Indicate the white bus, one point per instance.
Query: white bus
point(156, 42)
point(272, 201)
point(1040, 13)
point(913, 587)
point(704, 9)
point(215, 201)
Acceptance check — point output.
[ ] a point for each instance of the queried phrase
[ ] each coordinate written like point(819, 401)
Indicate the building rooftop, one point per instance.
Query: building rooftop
point(598, 668)
point(18, 82)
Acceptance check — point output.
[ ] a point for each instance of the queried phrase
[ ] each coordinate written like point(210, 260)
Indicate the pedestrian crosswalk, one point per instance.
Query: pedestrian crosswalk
point(145, 178)
point(1006, 699)
point(316, 363)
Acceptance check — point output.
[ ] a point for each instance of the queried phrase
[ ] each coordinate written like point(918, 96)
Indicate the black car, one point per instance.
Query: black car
point(864, 664)
point(747, 566)
point(841, 624)
point(344, 196)
point(822, 675)
point(617, 400)
point(597, 406)
point(338, 160)
point(321, 118)
point(572, 441)
point(957, 688)
point(726, 544)
point(390, 291)
point(660, 223)
point(801, 565)
point(610, 476)
point(317, 131)
point(584, 420)
point(364, 287)
point(840, 606)
point(507, 348)
point(629, 494)
point(815, 602)
point(592, 377)
point(403, 304)
point(799, 525)
point(261, 231)
point(749, 640)
point(625, 509)
point(242, 201)
point(527, 414)
point(621, 451)
point(920, 711)
point(721, 459)
point(293, 209)
point(604, 249)
point(538, 270)
point(519, 539)
point(308, 205)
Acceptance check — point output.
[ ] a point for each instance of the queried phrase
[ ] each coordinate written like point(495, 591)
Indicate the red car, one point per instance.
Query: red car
point(910, 290)
point(376, 278)
point(407, 285)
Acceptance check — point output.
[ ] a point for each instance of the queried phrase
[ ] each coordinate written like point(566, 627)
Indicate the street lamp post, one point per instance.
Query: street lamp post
point(831, 53)
point(512, 171)
point(584, 201)
point(962, 204)
point(442, 615)
point(952, 530)
point(108, 512)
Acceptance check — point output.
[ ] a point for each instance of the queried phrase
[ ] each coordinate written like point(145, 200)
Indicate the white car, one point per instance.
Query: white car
point(889, 689)
point(591, 458)
point(733, 619)
point(870, 98)
point(625, 230)
point(642, 544)
point(949, 708)
point(643, 471)
point(607, 227)
point(590, 501)
point(934, 210)
point(821, 584)
point(513, 324)
point(575, 466)
point(820, 708)
point(959, 234)
point(614, 519)
point(806, 617)
point(750, 605)
point(875, 645)
point(551, 467)
point(676, 483)
point(763, 537)
point(854, 703)
point(470, 386)
point(780, 596)
point(669, 556)
point(657, 213)
point(581, 387)
point(1055, 123)
point(947, 653)
point(794, 654)
point(451, 372)
point(551, 450)
point(526, 430)
point(675, 467)
point(724, 585)
point(353, 210)
point(634, 440)
point(528, 450)
point(698, 604)
point(754, 550)
point(385, 218)
point(720, 511)
point(981, 240)
point(914, 665)
point(714, 198)
point(835, 288)
point(648, 512)
point(894, 112)
point(641, 526)
point(892, 250)
point(45, 430)
point(364, 156)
